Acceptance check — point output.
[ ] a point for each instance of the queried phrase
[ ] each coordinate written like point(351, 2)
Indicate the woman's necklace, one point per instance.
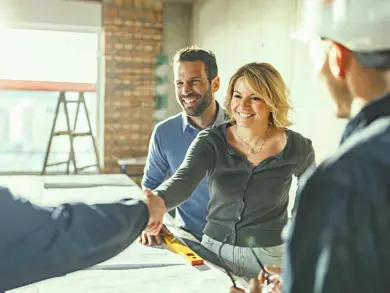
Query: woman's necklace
point(250, 149)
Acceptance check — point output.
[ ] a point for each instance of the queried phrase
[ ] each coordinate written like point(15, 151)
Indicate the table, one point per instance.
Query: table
point(132, 162)
point(138, 268)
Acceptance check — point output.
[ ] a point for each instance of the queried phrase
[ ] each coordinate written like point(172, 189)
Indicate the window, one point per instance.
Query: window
point(43, 59)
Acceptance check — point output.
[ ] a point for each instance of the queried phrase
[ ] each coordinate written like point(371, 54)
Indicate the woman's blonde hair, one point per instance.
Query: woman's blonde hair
point(267, 82)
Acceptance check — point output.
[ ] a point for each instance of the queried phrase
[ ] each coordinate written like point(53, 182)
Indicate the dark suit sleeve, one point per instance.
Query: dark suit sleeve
point(333, 243)
point(38, 243)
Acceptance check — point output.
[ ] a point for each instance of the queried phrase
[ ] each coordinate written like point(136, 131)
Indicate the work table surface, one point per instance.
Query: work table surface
point(138, 268)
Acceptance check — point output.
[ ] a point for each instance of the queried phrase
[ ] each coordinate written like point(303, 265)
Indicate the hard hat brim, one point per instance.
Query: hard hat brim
point(377, 60)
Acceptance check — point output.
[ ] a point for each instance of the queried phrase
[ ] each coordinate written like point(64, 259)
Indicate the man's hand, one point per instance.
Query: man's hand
point(157, 210)
point(275, 278)
point(255, 287)
point(259, 285)
point(148, 239)
point(236, 290)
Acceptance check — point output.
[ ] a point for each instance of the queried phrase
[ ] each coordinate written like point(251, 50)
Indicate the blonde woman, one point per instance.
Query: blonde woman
point(250, 162)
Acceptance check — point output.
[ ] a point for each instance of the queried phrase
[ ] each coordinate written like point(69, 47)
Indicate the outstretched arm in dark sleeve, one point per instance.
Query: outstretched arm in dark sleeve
point(38, 243)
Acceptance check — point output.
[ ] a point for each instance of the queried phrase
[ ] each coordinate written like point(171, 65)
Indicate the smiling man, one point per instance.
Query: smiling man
point(196, 82)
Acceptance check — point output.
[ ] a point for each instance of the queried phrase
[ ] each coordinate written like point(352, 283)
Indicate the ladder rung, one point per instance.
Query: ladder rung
point(71, 132)
point(66, 132)
point(86, 167)
point(56, 164)
point(62, 132)
point(82, 133)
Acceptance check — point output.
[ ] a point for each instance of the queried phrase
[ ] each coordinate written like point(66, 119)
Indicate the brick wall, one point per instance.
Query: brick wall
point(133, 33)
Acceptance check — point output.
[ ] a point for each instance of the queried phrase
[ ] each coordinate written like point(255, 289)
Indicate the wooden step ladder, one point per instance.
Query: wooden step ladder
point(72, 135)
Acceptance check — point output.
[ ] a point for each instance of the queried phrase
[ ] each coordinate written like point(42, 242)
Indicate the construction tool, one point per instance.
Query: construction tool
point(72, 134)
point(184, 251)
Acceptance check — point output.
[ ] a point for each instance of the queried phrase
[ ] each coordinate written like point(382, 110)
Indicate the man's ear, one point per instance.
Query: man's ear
point(339, 58)
point(215, 84)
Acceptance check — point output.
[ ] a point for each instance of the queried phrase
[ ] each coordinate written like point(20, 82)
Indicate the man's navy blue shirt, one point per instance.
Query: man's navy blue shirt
point(340, 238)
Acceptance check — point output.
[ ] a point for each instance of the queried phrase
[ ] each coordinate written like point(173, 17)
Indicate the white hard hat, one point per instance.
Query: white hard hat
point(362, 26)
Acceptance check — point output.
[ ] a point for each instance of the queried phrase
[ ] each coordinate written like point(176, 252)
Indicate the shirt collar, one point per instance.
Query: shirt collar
point(378, 108)
point(218, 120)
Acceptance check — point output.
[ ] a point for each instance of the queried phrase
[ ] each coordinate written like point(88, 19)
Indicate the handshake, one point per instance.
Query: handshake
point(157, 210)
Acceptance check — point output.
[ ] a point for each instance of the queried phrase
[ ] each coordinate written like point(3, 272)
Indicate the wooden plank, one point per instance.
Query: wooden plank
point(32, 85)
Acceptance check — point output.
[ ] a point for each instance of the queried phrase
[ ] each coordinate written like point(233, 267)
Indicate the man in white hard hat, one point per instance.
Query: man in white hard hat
point(340, 237)
point(339, 240)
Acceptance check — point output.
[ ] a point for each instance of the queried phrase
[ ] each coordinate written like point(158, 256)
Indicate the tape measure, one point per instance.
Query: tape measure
point(183, 250)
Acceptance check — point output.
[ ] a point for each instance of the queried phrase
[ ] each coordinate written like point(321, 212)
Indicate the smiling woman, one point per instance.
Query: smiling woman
point(264, 83)
point(257, 103)
point(250, 162)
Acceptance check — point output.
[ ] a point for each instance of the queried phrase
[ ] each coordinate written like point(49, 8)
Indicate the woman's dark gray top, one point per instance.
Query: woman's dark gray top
point(248, 205)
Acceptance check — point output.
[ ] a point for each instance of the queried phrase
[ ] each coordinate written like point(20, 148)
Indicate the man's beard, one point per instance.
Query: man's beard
point(204, 101)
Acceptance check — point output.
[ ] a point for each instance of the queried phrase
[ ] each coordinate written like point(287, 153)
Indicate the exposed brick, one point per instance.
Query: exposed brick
point(133, 32)
point(133, 37)
point(110, 12)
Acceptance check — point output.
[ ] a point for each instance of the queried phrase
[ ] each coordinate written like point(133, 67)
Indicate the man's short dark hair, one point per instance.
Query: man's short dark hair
point(194, 53)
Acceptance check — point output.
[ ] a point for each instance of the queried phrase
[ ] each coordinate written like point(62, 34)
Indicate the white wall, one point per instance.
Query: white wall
point(177, 34)
point(51, 14)
point(244, 31)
